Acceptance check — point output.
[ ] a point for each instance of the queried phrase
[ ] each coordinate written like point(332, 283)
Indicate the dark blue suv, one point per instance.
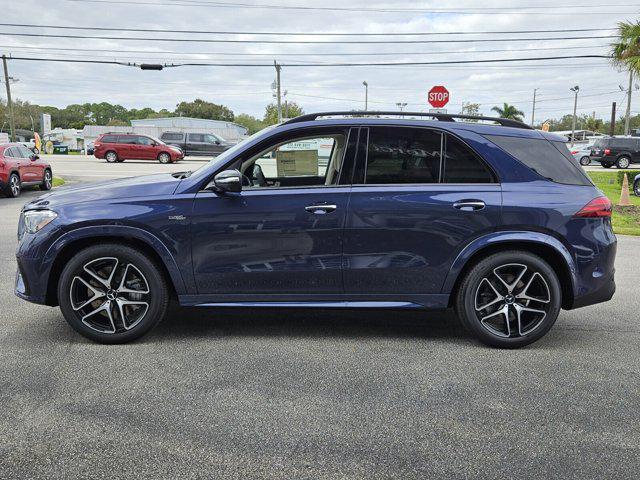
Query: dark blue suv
point(334, 210)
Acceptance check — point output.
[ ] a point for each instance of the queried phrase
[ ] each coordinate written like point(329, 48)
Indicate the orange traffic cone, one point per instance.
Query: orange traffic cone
point(625, 201)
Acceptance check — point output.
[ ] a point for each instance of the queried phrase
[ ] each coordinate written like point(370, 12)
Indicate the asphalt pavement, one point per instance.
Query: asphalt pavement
point(314, 394)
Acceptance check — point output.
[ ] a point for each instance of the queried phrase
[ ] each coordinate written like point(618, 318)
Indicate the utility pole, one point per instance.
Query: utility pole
point(612, 127)
point(627, 115)
point(533, 109)
point(366, 95)
point(278, 91)
point(575, 89)
point(9, 102)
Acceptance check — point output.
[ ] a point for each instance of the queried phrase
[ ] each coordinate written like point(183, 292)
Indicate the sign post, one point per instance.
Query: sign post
point(438, 96)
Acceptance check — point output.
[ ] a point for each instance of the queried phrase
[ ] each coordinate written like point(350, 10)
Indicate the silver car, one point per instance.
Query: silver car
point(581, 154)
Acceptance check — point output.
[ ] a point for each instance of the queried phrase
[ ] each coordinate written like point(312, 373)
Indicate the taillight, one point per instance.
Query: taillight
point(573, 152)
point(607, 151)
point(598, 207)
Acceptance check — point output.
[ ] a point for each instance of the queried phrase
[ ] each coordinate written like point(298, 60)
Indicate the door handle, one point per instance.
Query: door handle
point(469, 205)
point(320, 209)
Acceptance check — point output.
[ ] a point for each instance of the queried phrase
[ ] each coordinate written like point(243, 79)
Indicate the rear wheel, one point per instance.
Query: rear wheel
point(47, 180)
point(623, 162)
point(111, 156)
point(112, 293)
point(14, 186)
point(584, 161)
point(509, 299)
point(636, 188)
point(164, 157)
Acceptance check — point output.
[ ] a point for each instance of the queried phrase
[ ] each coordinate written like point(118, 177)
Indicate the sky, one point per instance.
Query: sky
point(318, 88)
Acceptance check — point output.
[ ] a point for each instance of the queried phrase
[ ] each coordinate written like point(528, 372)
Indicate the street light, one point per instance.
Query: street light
point(401, 105)
point(575, 90)
point(366, 95)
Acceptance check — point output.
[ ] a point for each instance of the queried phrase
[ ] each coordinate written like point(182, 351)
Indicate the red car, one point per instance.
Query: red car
point(20, 167)
point(119, 147)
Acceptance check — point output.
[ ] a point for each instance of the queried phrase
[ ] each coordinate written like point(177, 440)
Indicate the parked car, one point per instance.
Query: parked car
point(20, 167)
point(202, 144)
point(582, 154)
point(120, 147)
point(497, 222)
point(618, 151)
point(636, 185)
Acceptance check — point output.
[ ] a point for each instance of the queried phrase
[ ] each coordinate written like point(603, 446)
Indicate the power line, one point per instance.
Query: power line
point(306, 34)
point(212, 64)
point(299, 42)
point(320, 54)
point(533, 9)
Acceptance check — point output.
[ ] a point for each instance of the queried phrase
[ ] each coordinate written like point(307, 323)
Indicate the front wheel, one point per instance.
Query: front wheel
point(509, 299)
point(623, 162)
point(636, 188)
point(164, 157)
point(14, 186)
point(47, 181)
point(112, 293)
point(584, 161)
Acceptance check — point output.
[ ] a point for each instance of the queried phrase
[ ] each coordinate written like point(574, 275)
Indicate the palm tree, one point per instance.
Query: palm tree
point(509, 111)
point(625, 53)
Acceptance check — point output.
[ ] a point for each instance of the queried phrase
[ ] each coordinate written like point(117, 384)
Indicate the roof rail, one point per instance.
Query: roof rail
point(443, 117)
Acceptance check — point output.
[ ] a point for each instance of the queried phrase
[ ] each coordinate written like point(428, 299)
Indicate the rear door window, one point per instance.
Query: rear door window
point(543, 157)
point(461, 165)
point(196, 137)
point(130, 139)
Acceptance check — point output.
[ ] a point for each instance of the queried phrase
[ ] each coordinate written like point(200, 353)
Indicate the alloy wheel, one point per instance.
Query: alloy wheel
point(111, 157)
point(47, 180)
point(14, 185)
point(109, 295)
point(512, 301)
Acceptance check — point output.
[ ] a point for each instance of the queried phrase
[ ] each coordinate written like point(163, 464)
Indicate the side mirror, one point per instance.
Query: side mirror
point(217, 142)
point(228, 181)
point(35, 157)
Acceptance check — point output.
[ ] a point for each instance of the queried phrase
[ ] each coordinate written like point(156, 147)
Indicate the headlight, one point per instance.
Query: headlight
point(35, 220)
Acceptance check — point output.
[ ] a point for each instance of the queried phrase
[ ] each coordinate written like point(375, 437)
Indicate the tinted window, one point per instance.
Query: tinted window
point(543, 158)
point(196, 137)
point(461, 165)
point(172, 136)
point(130, 139)
point(403, 155)
point(109, 139)
point(623, 143)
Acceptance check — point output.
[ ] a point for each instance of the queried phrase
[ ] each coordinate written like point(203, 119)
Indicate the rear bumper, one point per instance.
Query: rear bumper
point(603, 293)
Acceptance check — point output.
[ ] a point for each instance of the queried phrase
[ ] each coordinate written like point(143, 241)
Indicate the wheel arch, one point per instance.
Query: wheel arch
point(71, 243)
point(545, 246)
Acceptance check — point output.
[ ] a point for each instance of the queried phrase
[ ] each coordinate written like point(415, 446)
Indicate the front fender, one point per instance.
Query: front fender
point(120, 231)
point(509, 237)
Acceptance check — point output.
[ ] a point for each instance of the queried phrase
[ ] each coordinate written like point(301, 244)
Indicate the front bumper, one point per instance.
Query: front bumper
point(25, 286)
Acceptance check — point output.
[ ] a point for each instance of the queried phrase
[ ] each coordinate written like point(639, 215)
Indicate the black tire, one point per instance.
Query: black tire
point(111, 156)
point(14, 186)
point(534, 325)
point(584, 161)
point(47, 180)
point(164, 157)
point(607, 165)
point(107, 324)
point(636, 188)
point(623, 162)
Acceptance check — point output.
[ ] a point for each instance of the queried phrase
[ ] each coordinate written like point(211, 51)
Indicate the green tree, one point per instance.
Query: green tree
point(253, 124)
point(202, 109)
point(469, 108)
point(509, 111)
point(289, 110)
point(625, 53)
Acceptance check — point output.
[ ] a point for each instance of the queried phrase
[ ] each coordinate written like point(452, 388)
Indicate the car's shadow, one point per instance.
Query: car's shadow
point(273, 322)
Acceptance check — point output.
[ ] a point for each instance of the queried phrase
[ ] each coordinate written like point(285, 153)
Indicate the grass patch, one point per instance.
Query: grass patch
point(625, 220)
point(57, 181)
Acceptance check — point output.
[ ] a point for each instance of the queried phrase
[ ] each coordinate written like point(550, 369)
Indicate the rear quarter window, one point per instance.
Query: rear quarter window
point(109, 139)
point(171, 137)
point(544, 157)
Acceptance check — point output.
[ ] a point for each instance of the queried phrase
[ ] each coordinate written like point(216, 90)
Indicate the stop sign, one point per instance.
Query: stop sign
point(438, 96)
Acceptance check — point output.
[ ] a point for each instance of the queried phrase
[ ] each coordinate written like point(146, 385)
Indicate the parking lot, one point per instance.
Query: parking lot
point(314, 394)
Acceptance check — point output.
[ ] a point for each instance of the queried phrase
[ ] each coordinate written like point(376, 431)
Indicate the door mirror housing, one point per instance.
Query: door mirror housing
point(227, 181)
point(35, 157)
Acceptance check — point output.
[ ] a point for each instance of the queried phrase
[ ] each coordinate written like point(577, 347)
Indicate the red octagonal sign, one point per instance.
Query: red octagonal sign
point(438, 96)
